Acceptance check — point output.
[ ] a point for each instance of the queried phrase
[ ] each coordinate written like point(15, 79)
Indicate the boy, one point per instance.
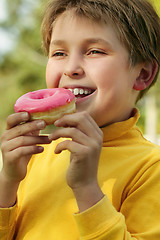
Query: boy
point(103, 180)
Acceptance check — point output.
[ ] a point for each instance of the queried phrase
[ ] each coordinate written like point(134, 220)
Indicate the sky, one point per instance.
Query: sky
point(6, 39)
point(3, 13)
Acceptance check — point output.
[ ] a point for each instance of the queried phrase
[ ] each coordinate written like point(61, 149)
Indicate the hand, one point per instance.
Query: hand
point(85, 148)
point(18, 143)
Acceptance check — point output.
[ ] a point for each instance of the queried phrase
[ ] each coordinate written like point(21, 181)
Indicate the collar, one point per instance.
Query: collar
point(118, 129)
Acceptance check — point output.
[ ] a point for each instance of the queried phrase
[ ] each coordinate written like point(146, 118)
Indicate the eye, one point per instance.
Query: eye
point(95, 52)
point(58, 54)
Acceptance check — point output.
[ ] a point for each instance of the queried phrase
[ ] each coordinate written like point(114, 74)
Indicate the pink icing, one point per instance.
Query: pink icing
point(43, 100)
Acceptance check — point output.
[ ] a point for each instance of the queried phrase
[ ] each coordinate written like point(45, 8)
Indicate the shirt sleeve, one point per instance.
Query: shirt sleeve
point(7, 222)
point(101, 221)
point(138, 218)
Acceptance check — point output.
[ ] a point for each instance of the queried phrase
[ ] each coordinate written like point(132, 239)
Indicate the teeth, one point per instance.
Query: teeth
point(70, 89)
point(80, 91)
point(76, 91)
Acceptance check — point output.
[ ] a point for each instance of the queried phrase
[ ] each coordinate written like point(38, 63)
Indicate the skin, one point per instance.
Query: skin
point(101, 66)
point(76, 61)
point(18, 143)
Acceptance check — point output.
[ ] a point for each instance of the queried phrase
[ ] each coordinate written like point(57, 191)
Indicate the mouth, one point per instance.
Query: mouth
point(80, 92)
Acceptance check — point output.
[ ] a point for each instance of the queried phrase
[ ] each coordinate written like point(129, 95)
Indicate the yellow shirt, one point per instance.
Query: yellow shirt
point(129, 175)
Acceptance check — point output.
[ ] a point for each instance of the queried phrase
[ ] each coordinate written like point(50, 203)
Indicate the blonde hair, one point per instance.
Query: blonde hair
point(136, 23)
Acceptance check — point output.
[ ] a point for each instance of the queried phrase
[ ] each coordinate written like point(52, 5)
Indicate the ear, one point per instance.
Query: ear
point(146, 75)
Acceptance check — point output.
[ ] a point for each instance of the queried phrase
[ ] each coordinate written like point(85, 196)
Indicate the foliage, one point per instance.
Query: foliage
point(23, 68)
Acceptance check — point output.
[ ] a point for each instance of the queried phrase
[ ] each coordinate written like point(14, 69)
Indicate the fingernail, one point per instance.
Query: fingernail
point(50, 137)
point(48, 140)
point(25, 116)
point(41, 124)
point(40, 149)
point(56, 122)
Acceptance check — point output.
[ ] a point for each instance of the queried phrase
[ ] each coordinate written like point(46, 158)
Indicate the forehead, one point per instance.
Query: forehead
point(76, 31)
point(69, 19)
point(68, 24)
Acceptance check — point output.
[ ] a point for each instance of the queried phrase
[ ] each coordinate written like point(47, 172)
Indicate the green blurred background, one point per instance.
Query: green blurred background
point(22, 62)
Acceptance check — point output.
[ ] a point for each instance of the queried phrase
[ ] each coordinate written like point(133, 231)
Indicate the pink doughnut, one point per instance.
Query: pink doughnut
point(47, 104)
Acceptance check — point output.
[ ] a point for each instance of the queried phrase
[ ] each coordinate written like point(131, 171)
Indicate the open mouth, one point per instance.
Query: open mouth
point(81, 92)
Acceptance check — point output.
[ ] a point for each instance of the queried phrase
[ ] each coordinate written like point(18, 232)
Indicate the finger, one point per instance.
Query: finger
point(69, 145)
point(27, 150)
point(35, 133)
point(73, 133)
point(24, 141)
point(82, 120)
point(95, 126)
point(16, 119)
point(21, 152)
point(26, 128)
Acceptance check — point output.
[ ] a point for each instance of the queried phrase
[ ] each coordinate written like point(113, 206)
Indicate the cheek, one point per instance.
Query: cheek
point(52, 76)
point(103, 73)
point(48, 74)
point(104, 79)
point(112, 85)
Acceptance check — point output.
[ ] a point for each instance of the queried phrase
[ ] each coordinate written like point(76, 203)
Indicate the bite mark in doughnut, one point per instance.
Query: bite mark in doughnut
point(47, 104)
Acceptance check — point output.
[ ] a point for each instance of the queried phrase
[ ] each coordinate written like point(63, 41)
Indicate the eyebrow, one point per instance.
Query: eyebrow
point(88, 41)
point(98, 40)
point(57, 42)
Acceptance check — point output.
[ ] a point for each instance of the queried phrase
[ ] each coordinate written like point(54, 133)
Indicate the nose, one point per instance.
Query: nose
point(74, 67)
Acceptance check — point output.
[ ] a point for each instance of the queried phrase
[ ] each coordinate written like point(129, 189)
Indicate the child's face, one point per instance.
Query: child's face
point(88, 58)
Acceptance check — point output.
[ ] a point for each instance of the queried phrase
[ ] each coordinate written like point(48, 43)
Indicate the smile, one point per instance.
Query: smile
point(81, 92)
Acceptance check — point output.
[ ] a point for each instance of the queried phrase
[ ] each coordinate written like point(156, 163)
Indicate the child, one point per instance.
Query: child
point(97, 177)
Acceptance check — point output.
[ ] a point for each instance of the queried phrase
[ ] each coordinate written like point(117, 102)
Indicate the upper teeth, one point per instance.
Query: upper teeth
point(77, 91)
